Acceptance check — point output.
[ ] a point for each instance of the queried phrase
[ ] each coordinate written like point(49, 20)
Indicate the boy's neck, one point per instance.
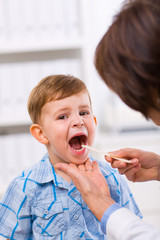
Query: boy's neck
point(53, 161)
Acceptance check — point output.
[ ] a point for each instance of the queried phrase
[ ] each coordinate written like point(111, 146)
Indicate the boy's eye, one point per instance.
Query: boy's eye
point(84, 113)
point(62, 117)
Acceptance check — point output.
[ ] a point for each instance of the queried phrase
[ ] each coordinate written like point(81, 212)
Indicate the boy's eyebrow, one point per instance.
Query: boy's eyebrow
point(62, 109)
point(68, 108)
point(84, 106)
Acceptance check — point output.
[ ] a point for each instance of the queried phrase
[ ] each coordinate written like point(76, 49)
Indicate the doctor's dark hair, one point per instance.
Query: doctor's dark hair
point(50, 88)
point(128, 56)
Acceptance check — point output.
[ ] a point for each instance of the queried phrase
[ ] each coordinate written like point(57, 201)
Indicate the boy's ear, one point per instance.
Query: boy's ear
point(38, 134)
point(95, 119)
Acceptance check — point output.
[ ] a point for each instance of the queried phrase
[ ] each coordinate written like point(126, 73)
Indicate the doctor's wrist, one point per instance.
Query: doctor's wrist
point(100, 205)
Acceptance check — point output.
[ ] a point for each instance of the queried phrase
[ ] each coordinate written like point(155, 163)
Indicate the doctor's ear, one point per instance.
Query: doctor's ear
point(95, 119)
point(38, 133)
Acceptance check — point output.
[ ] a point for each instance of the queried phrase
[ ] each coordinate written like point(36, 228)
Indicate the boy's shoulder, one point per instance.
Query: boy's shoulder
point(40, 172)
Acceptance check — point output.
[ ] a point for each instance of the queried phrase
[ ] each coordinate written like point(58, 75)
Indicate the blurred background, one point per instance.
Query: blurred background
point(43, 37)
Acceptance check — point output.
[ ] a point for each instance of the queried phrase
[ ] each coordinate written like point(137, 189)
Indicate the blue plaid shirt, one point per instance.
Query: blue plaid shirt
point(40, 204)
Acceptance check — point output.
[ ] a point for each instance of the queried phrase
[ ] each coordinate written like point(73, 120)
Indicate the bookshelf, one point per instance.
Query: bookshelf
point(37, 38)
point(21, 70)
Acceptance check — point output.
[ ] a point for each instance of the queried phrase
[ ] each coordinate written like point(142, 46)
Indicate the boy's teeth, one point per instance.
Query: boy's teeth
point(78, 150)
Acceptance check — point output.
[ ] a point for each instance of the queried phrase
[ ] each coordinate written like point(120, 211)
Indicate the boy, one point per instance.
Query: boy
point(43, 203)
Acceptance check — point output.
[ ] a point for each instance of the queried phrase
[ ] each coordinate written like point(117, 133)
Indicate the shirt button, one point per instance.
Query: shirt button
point(76, 217)
point(46, 211)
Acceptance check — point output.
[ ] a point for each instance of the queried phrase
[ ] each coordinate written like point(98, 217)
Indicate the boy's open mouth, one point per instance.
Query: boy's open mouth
point(76, 142)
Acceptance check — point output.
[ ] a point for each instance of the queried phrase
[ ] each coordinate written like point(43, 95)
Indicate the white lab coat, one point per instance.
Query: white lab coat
point(124, 225)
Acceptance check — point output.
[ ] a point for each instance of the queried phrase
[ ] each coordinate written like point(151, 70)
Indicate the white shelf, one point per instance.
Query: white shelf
point(14, 121)
point(39, 47)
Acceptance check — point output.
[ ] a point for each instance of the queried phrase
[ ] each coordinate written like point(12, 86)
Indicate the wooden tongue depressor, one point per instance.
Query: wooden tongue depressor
point(106, 154)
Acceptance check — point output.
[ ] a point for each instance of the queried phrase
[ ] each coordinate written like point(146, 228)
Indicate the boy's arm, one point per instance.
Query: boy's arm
point(13, 200)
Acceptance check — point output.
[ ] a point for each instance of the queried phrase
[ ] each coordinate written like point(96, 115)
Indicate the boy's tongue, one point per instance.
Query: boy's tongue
point(75, 143)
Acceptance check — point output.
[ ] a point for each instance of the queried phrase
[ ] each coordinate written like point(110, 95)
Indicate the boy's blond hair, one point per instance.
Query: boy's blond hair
point(54, 87)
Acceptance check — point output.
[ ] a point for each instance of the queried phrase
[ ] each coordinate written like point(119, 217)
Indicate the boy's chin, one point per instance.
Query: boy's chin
point(79, 162)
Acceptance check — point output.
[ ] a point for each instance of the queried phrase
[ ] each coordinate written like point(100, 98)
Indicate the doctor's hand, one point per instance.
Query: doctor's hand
point(145, 165)
point(91, 184)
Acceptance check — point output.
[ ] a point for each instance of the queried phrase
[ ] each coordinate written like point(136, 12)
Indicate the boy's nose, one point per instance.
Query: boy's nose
point(77, 122)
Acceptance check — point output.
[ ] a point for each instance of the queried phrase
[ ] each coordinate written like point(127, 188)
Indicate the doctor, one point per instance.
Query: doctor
point(128, 60)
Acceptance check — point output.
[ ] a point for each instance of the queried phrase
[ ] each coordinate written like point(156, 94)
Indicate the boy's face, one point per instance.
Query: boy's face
point(66, 124)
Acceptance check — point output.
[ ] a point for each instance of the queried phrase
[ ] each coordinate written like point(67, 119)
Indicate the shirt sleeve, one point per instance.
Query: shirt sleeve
point(129, 226)
point(107, 214)
point(15, 219)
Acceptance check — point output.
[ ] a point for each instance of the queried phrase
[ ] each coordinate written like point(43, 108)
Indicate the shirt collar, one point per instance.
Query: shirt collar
point(44, 172)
